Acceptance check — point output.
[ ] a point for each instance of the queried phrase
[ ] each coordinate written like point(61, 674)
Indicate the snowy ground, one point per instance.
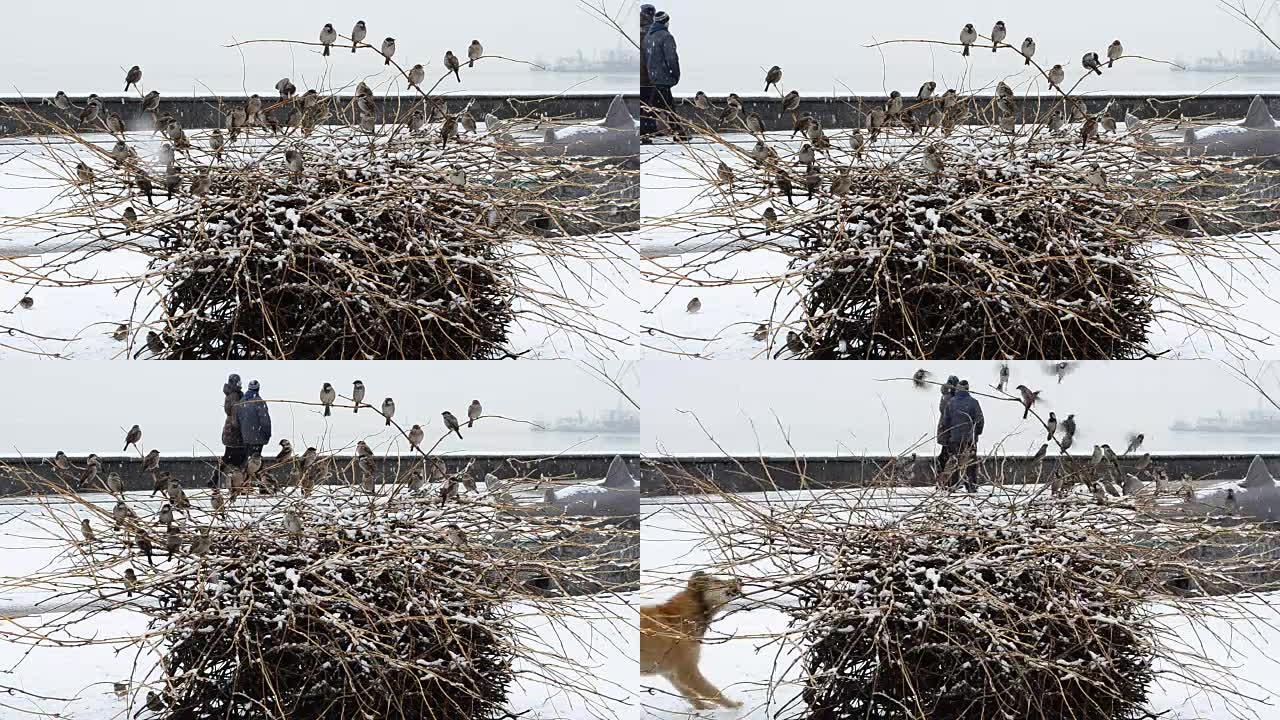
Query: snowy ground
point(77, 319)
point(741, 653)
point(740, 292)
point(76, 681)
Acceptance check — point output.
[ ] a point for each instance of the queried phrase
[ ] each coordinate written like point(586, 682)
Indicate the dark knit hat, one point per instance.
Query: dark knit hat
point(661, 17)
point(233, 380)
point(647, 9)
point(253, 384)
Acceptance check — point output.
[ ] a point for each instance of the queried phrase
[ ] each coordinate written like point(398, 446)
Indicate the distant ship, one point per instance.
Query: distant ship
point(1248, 62)
point(613, 422)
point(1255, 422)
point(611, 62)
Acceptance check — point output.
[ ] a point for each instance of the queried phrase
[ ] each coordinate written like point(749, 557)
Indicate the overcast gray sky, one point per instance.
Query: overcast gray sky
point(87, 45)
point(840, 408)
point(88, 405)
point(728, 44)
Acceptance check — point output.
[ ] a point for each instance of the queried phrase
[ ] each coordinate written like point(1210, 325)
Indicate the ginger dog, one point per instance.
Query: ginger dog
point(671, 637)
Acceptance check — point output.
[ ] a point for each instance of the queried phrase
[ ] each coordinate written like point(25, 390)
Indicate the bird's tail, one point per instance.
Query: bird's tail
point(126, 447)
point(388, 61)
point(457, 74)
point(966, 51)
point(1028, 62)
point(126, 87)
point(1110, 63)
point(994, 46)
point(766, 87)
point(459, 433)
point(357, 408)
point(1026, 411)
point(1097, 69)
point(471, 63)
point(326, 411)
point(326, 51)
point(353, 47)
point(470, 423)
point(388, 421)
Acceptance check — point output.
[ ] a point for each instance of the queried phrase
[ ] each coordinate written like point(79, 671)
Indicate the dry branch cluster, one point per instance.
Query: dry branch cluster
point(417, 238)
point(978, 242)
point(1036, 609)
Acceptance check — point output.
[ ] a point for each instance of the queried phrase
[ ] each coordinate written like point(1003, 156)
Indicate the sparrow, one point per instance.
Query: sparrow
point(388, 410)
point(773, 77)
point(894, 105)
point(1144, 462)
point(1029, 398)
point(724, 174)
point(997, 34)
point(90, 472)
point(86, 530)
point(920, 378)
point(293, 159)
point(61, 101)
point(130, 219)
point(357, 394)
point(84, 173)
point(806, 156)
point(203, 543)
point(876, 120)
point(1028, 50)
point(732, 108)
point(451, 64)
point(455, 176)
point(1135, 442)
point(448, 129)
point(144, 546)
point(252, 465)
point(286, 88)
point(468, 122)
point(968, 36)
point(933, 161)
point(1108, 123)
point(417, 119)
point(694, 306)
point(789, 103)
point(363, 450)
point(358, 34)
point(202, 182)
point(134, 76)
point(308, 458)
point(1065, 443)
point(328, 36)
point(293, 523)
point(1114, 52)
point(1110, 455)
point(388, 50)
point(453, 535)
point(417, 74)
point(216, 501)
point(90, 112)
point(1069, 425)
point(754, 124)
point(1097, 456)
point(165, 516)
point(702, 102)
point(131, 582)
point(176, 494)
point(151, 462)
point(416, 481)
point(474, 410)
point(133, 437)
point(120, 153)
point(114, 485)
point(415, 437)
point(172, 180)
point(1056, 120)
point(770, 218)
point(61, 461)
point(1090, 62)
point(784, 186)
point(1088, 129)
point(121, 514)
point(1056, 76)
point(1003, 382)
point(857, 141)
point(926, 91)
point(812, 180)
point(451, 422)
point(1131, 485)
point(115, 125)
point(802, 124)
point(1095, 176)
point(286, 450)
point(842, 184)
point(151, 102)
point(474, 51)
point(1052, 425)
point(327, 396)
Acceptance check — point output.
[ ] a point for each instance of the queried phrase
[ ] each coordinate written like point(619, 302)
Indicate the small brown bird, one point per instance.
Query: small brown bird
point(327, 396)
point(151, 102)
point(452, 64)
point(62, 102)
point(144, 546)
point(115, 125)
point(133, 77)
point(26, 302)
point(86, 530)
point(358, 34)
point(694, 306)
point(784, 186)
point(1028, 50)
point(454, 536)
point(415, 437)
point(998, 34)
point(770, 218)
point(1029, 398)
point(773, 77)
point(133, 437)
point(328, 36)
point(474, 52)
point(1056, 76)
point(388, 410)
point(474, 410)
point(286, 88)
point(1114, 52)
point(926, 91)
point(130, 582)
point(286, 450)
point(388, 50)
point(451, 422)
point(417, 74)
point(968, 36)
point(363, 450)
point(724, 174)
point(920, 379)
point(789, 103)
point(84, 173)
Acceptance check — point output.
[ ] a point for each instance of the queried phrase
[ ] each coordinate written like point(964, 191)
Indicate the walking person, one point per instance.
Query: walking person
point(964, 423)
point(948, 391)
point(254, 420)
point(648, 125)
point(663, 65)
point(233, 454)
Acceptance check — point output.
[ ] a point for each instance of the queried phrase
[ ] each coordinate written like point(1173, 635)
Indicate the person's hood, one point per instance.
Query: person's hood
point(250, 394)
point(962, 393)
point(659, 25)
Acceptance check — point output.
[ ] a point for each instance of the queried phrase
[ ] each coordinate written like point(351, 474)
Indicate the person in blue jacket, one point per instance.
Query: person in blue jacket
point(662, 61)
point(254, 420)
point(963, 423)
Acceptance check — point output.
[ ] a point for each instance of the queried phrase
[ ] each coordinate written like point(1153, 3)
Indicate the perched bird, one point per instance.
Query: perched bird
point(1095, 176)
point(1057, 120)
point(115, 124)
point(133, 77)
point(1090, 62)
point(455, 176)
point(732, 109)
point(806, 156)
point(308, 459)
point(694, 306)
point(131, 582)
point(1110, 455)
point(172, 180)
point(1135, 442)
point(1114, 52)
point(363, 450)
point(90, 112)
point(893, 107)
point(968, 36)
point(122, 514)
point(293, 159)
point(252, 465)
point(203, 543)
point(754, 124)
point(875, 121)
point(1059, 369)
point(151, 462)
point(761, 332)
point(702, 102)
point(933, 161)
point(61, 461)
point(358, 34)
point(770, 218)
point(773, 77)
point(84, 173)
point(1144, 462)
point(1108, 123)
point(998, 34)
point(357, 394)
point(216, 501)
point(453, 535)
point(789, 103)
point(293, 523)
point(802, 124)
point(856, 141)
point(448, 129)
point(327, 396)
point(1088, 130)
point(452, 64)
point(1052, 425)
point(1056, 76)
point(62, 102)
point(144, 546)
point(388, 50)
point(474, 410)
point(115, 485)
point(1003, 381)
point(417, 74)
point(1097, 457)
point(1029, 398)
point(842, 184)
point(1131, 485)
point(1028, 50)
point(474, 51)
point(328, 36)
point(86, 530)
point(926, 91)
point(920, 378)
point(286, 450)
point(286, 88)
point(785, 187)
point(724, 174)
point(1069, 425)
point(165, 516)
point(202, 182)
point(133, 437)
point(468, 122)
point(415, 437)
point(812, 180)
point(451, 422)
point(89, 474)
point(417, 119)
point(1039, 456)
point(151, 102)
point(388, 410)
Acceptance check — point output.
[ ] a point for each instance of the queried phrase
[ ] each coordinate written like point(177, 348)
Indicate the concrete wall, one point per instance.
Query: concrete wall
point(849, 111)
point(668, 476)
point(16, 473)
point(210, 111)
